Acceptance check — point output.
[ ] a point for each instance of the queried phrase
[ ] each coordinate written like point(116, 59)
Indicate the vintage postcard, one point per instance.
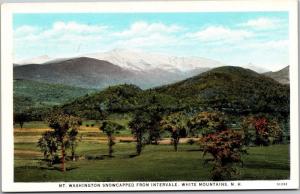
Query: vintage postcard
point(149, 96)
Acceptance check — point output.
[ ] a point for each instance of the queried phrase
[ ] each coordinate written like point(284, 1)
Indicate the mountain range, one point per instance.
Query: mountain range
point(100, 70)
point(136, 60)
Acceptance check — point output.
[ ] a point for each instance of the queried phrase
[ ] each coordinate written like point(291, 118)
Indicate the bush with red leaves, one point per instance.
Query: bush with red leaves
point(226, 148)
point(262, 131)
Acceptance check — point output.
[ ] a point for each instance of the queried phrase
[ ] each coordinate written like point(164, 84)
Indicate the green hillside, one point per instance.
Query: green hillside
point(233, 90)
point(30, 95)
point(118, 99)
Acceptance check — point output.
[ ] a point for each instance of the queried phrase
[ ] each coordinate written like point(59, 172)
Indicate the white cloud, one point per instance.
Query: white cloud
point(25, 30)
point(238, 45)
point(59, 39)
point(262, 23)
point(154, 40)
point(142, 28)
point(70, 31)
point(76, 27)
point(220, 33)
point(271, 45)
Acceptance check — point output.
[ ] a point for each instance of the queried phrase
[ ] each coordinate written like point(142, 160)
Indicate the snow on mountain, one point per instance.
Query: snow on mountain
point(142, 61)
point(37, 60)
point(136, 60)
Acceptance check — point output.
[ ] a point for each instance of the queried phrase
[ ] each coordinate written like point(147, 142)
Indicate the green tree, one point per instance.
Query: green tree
point(154, 108)
point(176, 124)
point(247, 126)
point(110, 128)
point(139, 125)
point(62, 125)
point(73, 141)
point(21, 118)
point(206, 123)
point(48, 144)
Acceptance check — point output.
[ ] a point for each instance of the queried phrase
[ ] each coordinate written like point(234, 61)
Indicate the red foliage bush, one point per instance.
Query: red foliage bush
point(226, 148)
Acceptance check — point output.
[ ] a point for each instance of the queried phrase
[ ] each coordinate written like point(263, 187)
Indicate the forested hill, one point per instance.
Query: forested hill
point(118, 99)
point(229, 89)
point(232, 89)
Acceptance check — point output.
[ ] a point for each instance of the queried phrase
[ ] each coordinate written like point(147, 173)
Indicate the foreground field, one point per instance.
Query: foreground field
point(157, 163)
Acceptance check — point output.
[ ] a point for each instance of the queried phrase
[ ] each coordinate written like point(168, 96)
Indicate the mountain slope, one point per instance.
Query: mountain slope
point(282, 76)
point(231, 89)
point(93, 73)
point(81, 72)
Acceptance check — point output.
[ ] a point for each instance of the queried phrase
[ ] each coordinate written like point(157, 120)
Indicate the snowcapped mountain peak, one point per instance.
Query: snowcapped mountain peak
point(138, 60)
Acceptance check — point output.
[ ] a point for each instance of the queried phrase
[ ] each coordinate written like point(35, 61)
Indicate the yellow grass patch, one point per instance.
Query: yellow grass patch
point(31, 129)
point(27, 152)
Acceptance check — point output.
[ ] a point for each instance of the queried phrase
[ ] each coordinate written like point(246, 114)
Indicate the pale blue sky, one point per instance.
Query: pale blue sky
point(260, 38)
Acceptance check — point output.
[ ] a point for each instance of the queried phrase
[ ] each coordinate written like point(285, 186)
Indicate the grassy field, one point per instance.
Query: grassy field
point(156, 163)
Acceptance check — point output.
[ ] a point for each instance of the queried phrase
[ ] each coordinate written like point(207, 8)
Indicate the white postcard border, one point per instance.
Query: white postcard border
point(8, 184)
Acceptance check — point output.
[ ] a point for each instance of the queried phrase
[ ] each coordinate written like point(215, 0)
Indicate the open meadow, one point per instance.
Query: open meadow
point(156, 163)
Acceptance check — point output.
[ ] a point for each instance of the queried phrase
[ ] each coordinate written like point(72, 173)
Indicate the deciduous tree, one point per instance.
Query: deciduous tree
point(73, 141)
point(21, 118)
point(48, 144)
point(62, 125)
point(139, 125)
point(176, 124)
point(206, 123)
point(109, 128)
point(261, 131)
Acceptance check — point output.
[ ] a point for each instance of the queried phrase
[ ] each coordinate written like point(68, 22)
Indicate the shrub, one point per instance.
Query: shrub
point(226, 148)
point(262, 131)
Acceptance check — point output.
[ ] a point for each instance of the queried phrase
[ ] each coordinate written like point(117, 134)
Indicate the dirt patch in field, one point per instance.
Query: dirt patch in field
point(166, 141)
point(89, 129)
point(31, 129)
point(26, 139)
point(81, 129)
point(27, 153)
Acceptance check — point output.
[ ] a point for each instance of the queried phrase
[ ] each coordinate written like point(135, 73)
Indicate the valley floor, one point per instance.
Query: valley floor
point(156, 163)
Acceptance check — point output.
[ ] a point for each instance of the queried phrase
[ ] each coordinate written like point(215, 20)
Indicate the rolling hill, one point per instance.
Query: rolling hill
point(233, 90)
point(118, 99)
